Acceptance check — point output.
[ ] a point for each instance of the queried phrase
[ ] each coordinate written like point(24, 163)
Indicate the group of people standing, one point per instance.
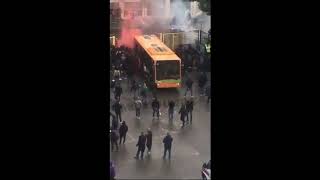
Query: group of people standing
point(117, 133)
point(143, 141)
point(146, 141)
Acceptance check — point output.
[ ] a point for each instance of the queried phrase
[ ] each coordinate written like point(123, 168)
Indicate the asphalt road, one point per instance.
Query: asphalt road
point(191, 144)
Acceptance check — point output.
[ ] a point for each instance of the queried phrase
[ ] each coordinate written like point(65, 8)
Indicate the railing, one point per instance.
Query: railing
point(173, 40)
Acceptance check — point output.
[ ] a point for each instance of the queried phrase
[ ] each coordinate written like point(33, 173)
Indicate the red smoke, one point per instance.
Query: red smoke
point(127, 37)
point(128, 31)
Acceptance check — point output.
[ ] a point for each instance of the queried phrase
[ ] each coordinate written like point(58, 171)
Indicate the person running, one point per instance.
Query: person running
point(167, 141)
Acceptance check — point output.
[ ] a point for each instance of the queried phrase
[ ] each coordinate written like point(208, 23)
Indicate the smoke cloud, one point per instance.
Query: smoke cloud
point(161, 19)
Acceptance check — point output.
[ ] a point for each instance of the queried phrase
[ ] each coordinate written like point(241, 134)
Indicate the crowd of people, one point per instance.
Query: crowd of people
point(124, 65)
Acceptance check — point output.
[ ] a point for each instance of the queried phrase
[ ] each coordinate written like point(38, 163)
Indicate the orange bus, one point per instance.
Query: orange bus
point(161, 66)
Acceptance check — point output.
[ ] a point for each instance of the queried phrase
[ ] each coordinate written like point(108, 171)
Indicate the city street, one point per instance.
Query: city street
point(191, 144)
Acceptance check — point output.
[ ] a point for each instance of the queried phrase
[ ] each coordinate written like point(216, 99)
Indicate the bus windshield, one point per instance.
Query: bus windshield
point(166, 70)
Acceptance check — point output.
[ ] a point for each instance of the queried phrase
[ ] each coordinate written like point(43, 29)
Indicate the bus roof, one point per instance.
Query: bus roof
point(155, 48)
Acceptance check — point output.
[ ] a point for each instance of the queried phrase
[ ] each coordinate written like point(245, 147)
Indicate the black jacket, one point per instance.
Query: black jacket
point(189, 105)
point(189, 83)
point(142, 141)
point(155, 104)
point(113, 136)
point(123, 129)
point(167, 142)
point(171, 105)
point(118, 90)
point(202, 80)
point(149, 139)
point(114, 122)
point(117, 107)
point(182, 110)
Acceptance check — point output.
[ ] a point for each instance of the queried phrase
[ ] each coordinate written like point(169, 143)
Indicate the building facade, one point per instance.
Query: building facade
point(140, 8)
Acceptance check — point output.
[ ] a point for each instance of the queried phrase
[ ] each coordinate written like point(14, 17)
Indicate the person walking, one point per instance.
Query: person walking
point(182, 113)
point(123, 132)
point(138, 105)
point(202, 82)
point(171, 109)
point(189, 109)
point(141, 145)
point(149, 140)
point(189, 83)
point(118, 92)
point(155, 107)
point(114, 140)
point(167, 141)
point(114, 122)
point(117, 109)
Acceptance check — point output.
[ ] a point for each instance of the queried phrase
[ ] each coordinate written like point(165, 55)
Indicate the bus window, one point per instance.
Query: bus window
point(166, 70)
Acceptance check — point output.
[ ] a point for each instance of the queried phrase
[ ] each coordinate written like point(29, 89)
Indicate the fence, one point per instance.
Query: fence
point(173, 40)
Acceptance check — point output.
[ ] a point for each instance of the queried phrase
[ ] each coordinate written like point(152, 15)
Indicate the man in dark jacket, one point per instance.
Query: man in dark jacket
point(202, 82)
point(114, 139)
point(149, 140)
point(114, 122)
point(189, 83)
point(171, 109)
point(182, 113)
point(189, 109)
point(123, 132)
point(155, 107)
point(118, 92)
point(167, 141)
point(117, 109)
point(141, 145)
